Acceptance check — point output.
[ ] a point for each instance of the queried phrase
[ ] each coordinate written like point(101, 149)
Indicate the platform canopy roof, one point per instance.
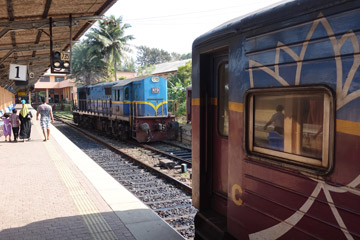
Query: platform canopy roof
point(25, 34)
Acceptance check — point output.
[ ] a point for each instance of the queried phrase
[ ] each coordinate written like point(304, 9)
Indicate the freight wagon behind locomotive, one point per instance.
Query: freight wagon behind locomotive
point(276, 124)
point(136, 108)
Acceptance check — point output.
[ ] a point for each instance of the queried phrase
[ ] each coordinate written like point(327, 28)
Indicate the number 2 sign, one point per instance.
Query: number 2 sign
point(18, 72)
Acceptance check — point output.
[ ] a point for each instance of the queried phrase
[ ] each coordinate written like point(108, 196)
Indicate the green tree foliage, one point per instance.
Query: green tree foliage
point(177, 84)
point(184, 73)
point(146, 70)
point(97, 57)
point(87, 68)
point(109, 40)
point(150, 56)
point(177, 56)
point(128, 65)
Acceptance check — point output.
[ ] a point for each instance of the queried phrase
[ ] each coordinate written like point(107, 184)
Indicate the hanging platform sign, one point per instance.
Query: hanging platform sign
point(18, 72)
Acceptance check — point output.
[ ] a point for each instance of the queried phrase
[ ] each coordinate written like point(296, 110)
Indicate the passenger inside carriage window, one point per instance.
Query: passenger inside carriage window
point(278, 120)
point(275, 138)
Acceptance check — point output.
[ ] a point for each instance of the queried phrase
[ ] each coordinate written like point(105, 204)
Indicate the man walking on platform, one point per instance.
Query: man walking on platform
point(46, 115)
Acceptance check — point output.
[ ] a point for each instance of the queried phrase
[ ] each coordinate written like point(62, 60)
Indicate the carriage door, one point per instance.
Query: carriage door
point(219, 131)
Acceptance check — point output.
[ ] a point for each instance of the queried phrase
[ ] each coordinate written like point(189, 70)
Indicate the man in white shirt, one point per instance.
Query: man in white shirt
point(45, 111)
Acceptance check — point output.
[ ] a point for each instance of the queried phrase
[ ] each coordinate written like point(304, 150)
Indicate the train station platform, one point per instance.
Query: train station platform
point(53, 190)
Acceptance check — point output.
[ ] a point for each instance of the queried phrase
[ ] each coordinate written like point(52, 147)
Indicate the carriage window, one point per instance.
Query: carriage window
point(291, 126)
point(118, 96)
point(223, 116)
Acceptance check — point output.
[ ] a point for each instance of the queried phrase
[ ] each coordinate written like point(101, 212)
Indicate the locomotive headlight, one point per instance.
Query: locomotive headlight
point(66, 64)
point(155, 79)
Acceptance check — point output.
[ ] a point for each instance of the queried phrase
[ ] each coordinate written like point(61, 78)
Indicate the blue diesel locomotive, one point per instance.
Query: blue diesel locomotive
point(136, 108)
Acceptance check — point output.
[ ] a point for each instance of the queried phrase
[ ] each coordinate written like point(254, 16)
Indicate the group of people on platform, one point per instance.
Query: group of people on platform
point(23, 123)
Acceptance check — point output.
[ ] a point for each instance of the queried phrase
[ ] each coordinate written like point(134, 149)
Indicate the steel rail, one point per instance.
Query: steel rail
point(161, 152)
point(176, 145)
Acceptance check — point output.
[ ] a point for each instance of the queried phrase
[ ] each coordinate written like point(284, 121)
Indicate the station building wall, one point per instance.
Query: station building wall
point(6, 98)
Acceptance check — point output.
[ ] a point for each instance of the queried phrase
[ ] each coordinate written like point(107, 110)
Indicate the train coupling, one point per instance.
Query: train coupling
point(159, 126)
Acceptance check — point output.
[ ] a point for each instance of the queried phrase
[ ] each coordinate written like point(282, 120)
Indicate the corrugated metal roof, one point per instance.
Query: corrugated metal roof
point(169, 66)
point(104, 84)
point(130, 80)
point(24, 28)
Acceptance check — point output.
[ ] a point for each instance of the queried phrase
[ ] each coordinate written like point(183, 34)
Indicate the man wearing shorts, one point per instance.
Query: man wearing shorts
point(46, 116)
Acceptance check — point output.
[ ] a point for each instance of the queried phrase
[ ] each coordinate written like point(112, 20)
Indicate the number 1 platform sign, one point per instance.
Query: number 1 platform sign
point(18, 72)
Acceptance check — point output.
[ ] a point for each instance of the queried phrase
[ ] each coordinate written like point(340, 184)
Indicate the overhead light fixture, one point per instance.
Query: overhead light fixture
point(57, 64)
point(60, 61)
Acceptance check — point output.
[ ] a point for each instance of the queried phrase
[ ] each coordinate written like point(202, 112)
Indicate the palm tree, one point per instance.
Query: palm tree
point(87, 66)
point(109, 39)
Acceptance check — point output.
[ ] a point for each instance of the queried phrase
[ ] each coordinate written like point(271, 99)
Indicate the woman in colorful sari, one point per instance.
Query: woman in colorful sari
point(25, 119)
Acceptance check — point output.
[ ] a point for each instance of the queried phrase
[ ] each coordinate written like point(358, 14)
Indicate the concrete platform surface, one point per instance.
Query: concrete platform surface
point(53, 190)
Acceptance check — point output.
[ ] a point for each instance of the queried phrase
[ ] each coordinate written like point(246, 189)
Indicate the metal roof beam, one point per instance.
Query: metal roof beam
point(10, 85)
point(44, 23)
point(29, 59)
point(4, 73)
point(10, 10)
point(36, 47)
point(13, 41)
point(11, 18)
point(31, 46)
point(6, 56)
point(45, 14)
point(29, 55)
point(3, 32)
point(38, 70)
point(3, 79)
point(46, 9)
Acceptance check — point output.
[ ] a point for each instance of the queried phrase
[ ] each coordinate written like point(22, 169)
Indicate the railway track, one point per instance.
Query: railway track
point(169, 197)
point(168, 154)
point(168, 149)
point(179, 152)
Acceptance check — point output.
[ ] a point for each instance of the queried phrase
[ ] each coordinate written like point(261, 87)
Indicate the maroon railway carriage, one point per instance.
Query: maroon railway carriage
point(188, 103)
point(276, 124)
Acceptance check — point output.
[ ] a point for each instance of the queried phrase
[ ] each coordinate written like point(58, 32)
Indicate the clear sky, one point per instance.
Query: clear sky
point(174, 25)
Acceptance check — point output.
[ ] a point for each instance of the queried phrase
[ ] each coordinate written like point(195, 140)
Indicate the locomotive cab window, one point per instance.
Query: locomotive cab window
point(107, 91)
point(127, 93)
point(291, 124)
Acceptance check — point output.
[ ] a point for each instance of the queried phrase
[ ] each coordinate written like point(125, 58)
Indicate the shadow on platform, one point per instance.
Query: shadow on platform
point(72, 227)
